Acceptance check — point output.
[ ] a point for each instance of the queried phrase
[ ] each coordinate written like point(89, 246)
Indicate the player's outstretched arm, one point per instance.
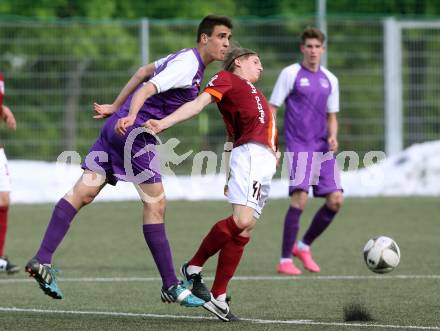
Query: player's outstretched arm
point(105, 110)
point(183, 113)
point(8, 117)
point(140, 76)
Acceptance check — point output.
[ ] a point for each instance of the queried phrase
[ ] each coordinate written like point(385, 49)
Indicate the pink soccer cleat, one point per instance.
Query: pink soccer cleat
point(306, 258)
point(288, 268)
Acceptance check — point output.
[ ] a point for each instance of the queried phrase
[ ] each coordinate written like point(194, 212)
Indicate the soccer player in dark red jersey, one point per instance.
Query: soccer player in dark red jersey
point(251, 127)
point(155, 90)
point(5, 184)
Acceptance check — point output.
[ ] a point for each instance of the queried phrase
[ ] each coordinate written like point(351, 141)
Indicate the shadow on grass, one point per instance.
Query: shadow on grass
point(356, 312)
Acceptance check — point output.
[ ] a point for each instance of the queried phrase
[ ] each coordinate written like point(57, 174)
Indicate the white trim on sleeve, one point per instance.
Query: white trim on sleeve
point(284, 84)
point(178, 73)
point(333, 98)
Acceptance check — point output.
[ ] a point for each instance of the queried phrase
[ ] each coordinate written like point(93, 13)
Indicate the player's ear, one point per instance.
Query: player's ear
point(204, 38)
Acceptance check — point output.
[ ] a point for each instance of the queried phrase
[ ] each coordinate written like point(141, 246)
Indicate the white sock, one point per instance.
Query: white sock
point(3, 264)
point(302, 246)
point(193, 269)
point(221, 297)
point(285, 260)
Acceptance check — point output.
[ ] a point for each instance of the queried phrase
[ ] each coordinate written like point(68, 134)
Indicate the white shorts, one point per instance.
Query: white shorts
point(252, 167)
point(5, 178)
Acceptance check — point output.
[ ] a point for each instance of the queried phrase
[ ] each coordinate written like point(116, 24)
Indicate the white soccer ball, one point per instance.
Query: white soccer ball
point(381, 254)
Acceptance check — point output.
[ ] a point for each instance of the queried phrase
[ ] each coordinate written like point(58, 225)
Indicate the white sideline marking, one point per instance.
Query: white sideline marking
point(259, 321)
point(237, 278)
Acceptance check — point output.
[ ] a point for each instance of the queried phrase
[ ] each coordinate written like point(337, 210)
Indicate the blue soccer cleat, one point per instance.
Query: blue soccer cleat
point(45, 276)
point(179, 293)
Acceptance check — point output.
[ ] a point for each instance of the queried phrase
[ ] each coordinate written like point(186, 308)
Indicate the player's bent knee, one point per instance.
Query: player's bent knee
point(4, 199)
point(246, 223)
point(87, 198)
point(155, 210)
point(335, 201)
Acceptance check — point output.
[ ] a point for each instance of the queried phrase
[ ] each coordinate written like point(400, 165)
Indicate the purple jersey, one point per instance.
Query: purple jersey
point(308, 97)
point(177, 79)
point(133, 158)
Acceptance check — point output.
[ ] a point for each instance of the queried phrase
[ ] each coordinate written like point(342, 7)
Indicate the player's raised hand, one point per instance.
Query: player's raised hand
point(123, 124)
point(103, 111)
point(155, 126)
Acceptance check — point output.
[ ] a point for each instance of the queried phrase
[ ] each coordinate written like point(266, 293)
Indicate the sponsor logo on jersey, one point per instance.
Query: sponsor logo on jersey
point(211, 81)
point(304, 81)
point(324, 83)
point(260, 109)
point(258, 100)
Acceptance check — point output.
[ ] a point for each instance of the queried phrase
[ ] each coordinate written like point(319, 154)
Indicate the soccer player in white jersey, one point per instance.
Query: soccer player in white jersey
point(5, 184)
point(251, 127)
point(310, 94)
point(155, 90)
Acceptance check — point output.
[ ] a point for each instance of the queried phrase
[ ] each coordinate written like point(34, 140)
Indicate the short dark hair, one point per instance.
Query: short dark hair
point(312, 33)
point(209, 22)
point(235, 52)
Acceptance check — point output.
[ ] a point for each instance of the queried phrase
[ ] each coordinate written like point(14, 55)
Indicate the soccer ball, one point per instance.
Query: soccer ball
point(381, 254)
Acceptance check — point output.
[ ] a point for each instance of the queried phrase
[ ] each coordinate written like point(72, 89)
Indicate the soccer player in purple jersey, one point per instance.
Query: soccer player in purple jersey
point(5, 184)
point(154, 91)
point(311, 96)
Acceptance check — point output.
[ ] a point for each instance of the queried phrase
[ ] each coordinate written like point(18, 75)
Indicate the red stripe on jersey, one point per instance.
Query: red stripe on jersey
point(216, 94)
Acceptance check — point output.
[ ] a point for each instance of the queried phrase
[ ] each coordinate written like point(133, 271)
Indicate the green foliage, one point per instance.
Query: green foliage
point(132, 9)
point(57, 66)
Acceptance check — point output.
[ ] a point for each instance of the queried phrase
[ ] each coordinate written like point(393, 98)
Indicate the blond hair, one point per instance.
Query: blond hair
point(236, 51)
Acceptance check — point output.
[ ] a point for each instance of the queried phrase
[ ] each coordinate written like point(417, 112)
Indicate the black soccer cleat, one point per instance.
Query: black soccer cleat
point(195, 283)
point(7, 266)
point(45, 276)
point(221, 309)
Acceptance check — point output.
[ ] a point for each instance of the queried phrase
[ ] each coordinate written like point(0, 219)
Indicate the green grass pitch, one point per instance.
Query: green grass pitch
point(110, 282)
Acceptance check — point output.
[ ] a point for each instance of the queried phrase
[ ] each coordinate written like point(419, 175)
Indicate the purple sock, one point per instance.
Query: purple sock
point(320, 222)
point(290, 231)
point(156, 239)
point(59, 224)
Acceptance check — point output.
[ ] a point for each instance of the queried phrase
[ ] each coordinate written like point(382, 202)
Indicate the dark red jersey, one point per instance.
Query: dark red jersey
point(244, 108)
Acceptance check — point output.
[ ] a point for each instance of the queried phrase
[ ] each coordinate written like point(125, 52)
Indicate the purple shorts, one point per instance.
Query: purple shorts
point(317, 169)
point(130, 158)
